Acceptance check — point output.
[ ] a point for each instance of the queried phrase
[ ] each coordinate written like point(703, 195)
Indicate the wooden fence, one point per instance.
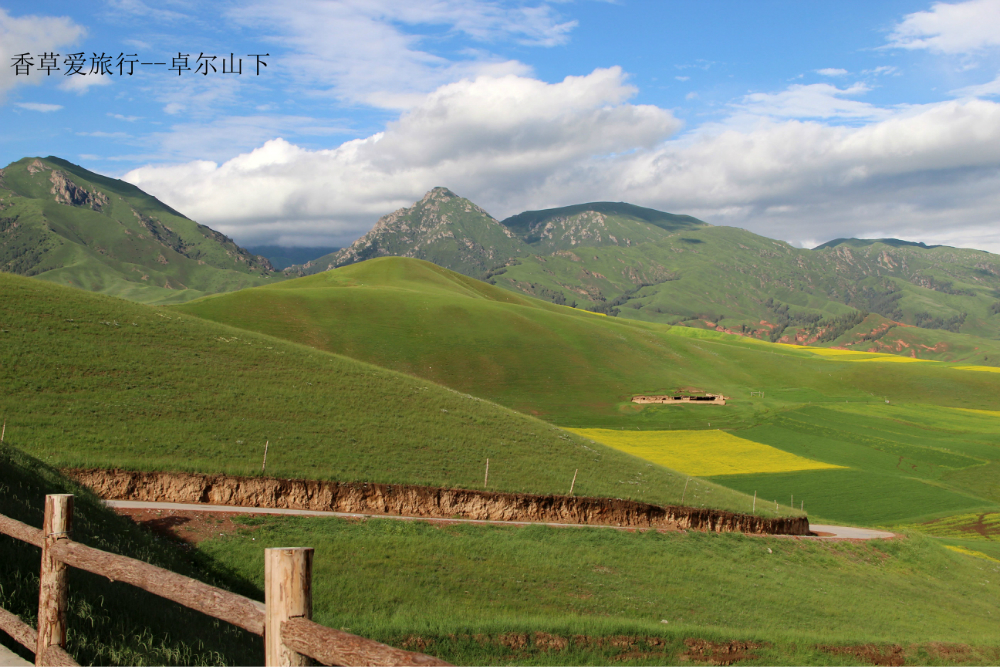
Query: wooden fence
point(290, 637)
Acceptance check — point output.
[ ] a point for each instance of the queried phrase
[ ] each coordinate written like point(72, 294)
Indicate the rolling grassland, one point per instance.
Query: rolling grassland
point(918, 455)
point(111, 623)
point(94, 381)
point(538, 595)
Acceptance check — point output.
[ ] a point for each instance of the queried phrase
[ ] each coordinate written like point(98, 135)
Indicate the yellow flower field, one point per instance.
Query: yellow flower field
point(702, 453)
point(987, 413)
point(971, 552)
point(985, 369)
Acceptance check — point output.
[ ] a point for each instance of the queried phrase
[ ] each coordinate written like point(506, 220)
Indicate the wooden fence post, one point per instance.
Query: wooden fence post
point(53, 599)
point(287, 594)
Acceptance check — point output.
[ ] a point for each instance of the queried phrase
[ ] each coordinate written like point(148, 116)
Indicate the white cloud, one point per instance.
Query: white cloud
point(832, 71)
point(951, 28)
point(81, 84)
point(989, 89)
point(487, 137)
point(37, 106)
point(927, 173)
point(33, 35)
point(818, 100)
point(882, 70)
point(359, 51)
point(682, 78)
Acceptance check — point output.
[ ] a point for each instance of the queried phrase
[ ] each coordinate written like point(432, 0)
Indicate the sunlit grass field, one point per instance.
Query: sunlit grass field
point(903, 462)
point(901, 432)
point(702, 453)
point(565, 366)
point(442, 586)
point(94, 381)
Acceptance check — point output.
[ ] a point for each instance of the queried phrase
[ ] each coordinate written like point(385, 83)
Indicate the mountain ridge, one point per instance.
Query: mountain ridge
point(63, 223)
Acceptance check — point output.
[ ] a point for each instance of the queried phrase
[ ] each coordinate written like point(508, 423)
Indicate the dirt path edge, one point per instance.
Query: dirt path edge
point(420, 501)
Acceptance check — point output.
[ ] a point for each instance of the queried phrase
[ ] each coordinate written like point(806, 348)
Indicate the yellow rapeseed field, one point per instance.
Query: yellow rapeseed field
point(987, 413)
point(702, 453)
point(986, 369)
point(971, 552)
point(858, 355)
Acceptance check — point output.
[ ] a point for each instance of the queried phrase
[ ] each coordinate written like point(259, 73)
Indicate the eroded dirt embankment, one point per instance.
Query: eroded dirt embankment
point(420, 501)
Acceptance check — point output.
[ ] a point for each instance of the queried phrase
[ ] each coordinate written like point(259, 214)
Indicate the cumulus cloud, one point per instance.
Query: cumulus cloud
point(832, 71)
point(513, 143)
point(955, 29)
point(33, 35)
point(488, 137)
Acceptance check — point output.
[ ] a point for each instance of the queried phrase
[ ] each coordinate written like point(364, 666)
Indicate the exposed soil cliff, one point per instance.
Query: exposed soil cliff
point(422, 501)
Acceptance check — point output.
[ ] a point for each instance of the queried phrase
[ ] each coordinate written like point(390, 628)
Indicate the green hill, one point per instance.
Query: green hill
point(95, 381)
point(62, 223)
point(577, 369)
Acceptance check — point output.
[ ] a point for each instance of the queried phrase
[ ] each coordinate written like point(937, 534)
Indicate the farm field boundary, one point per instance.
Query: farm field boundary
point(703, 453)
point(421, 501)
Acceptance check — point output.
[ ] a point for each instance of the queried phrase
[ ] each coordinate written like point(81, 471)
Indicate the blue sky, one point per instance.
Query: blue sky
point(802, 121)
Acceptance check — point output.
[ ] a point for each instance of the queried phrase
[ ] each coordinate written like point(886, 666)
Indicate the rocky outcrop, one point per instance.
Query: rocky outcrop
point(420, 501)
point(69, 193)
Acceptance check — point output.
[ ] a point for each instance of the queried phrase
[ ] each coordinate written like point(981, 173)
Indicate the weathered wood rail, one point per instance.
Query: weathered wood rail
point(283, 620)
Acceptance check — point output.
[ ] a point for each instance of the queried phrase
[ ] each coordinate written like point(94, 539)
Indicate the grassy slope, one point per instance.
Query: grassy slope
point(97, 381)
point(109, 623)
point(130, 245)
point(579, 369)
point(447, 584)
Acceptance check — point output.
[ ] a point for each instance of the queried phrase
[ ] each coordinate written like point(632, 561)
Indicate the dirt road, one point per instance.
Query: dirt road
point(823, 532)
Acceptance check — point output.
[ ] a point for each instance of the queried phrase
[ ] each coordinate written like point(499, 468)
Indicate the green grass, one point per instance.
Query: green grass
point(571, 368)
point(93, 381)
point(853, 496)
point(917, 455)
point(111, 623)
point(398, 580)
point(905, 461)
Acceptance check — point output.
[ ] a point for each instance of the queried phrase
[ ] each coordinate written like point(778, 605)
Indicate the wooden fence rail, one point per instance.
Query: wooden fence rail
point(290, 637)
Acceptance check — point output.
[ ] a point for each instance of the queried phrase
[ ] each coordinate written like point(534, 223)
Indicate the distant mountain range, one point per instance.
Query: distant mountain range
point(628, 261)
point(63, 223)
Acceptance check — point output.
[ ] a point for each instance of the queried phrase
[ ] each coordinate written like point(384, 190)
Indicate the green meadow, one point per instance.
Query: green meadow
point(570, 367)
point(925, 452)
point(904, 462)
point(94, 381)
point(397, 371)
point(539, 595)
